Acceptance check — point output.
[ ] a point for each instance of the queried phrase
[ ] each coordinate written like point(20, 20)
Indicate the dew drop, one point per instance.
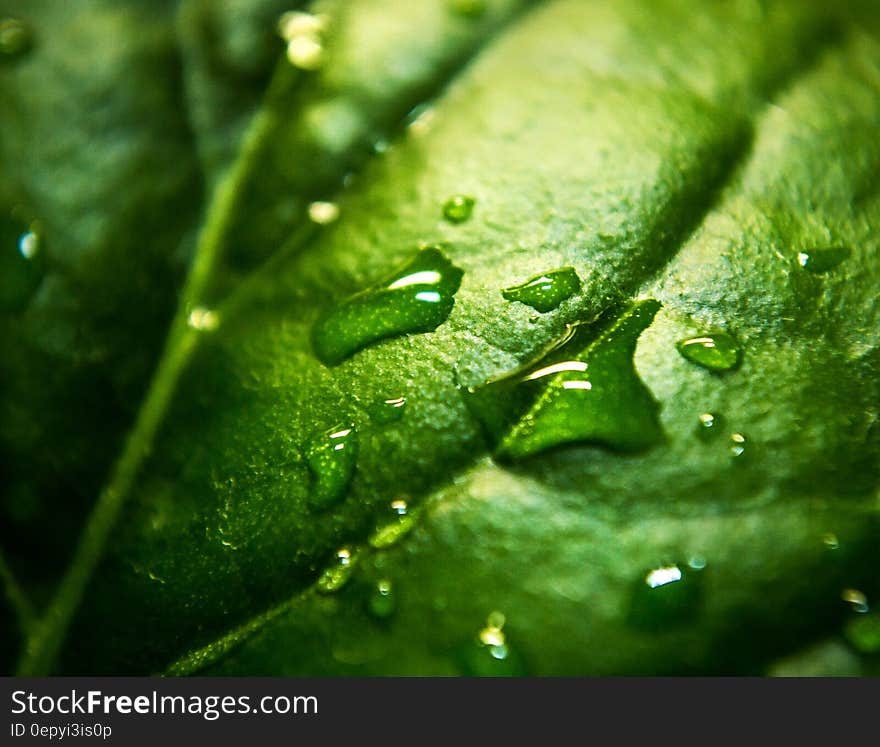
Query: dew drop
point(830, 540)
point(332, 456)
point(856, 599)
point(338, 574)
point(417, 297)
point(581, 389)
point(204, 320)
point(16, 39)
point(323, 213)
point(458, 208)
point(718, 351)
point(387, 410)
point(382, 600)
point(490, 654)
point(392, 530)
point(863, 633)
point(544, 292)
point(667, 595)
point(737, 444)
point(21, 266)
point(709, 425)
point(819, 261)
point(304, 34)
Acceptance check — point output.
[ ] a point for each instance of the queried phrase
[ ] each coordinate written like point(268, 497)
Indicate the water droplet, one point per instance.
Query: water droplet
point(490, 654)
point(458, 208)
point(717, 351)
point(338, 574)
point(737, 444)
point(21, 268)
point(863, 633)
point(332, 456)
point(467, 8)
point(387, 410)
point(323, 213)
point(417, 297)
point(204, 320)
point(382, 600)
point(304, 34)
point(16, 38)
point(396, 528)
point(582, 388)
point(544, 292)
point(819, 261)
point(665, 596)
point(709, 425)
point(830, 541)
point(856, 599)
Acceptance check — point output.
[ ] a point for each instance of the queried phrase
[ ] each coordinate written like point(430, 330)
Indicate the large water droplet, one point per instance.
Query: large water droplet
point(395, 528)
point(544, 292)
point(16, 39)
point(458, 208)
point(666, 595)
point(717, 351)
point(332, 456)
point(21, 264)
point(387, 410)
point(490, 654)
point(416, 298)
point(819, 261)
point(336, 575)
point(583, 388)
point(382, 600)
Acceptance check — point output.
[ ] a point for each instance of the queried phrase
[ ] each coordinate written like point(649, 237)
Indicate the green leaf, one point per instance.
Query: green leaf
point(678, 156)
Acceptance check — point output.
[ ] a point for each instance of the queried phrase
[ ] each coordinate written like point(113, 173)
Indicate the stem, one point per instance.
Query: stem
point(48, 633)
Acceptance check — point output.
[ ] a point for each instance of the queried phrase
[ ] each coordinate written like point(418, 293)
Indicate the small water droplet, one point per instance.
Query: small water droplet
point(323, 213)
point(819, 261)
point(666, 595)
point(387, 410)
point(382, 600)
point(863, 633)
point(21, 268)
point(332, 456)
point(709, 425)
point(16, 38)
point(718, 351)
point(737, 444)
point(204, 320)
point(830, 541)
point(391, 531)
point(381, 146)
point(421, 119)
point(467, 8)
point(304, 34)
point(417, 297)
point(490, 655)
point(856, 599)
point(545, 291)
point(338, 574)
point(458, 208)
point(697, 562)
point(582, 388)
